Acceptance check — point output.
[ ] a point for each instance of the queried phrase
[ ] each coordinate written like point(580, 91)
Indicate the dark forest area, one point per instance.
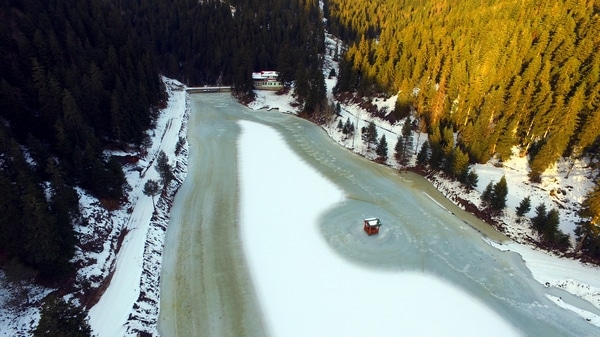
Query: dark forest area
point(81, 78)
point(75, 79)
point(217, 42)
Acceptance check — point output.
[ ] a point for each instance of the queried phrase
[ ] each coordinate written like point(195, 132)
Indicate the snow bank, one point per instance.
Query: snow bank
point(130, 302)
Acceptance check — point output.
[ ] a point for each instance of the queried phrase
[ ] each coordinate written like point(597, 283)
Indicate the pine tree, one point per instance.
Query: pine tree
point(382, 148)
point(500, 192)
point(64, 205)
point(180, 144)
point(399, 150)
point(587, 231)
point(164, 168)
point(524, 206)
point(472, 179)
point(371, 134)
point(436, 156)
point(551, 231)
point(459, 162)
point(407, 139)
point(151, 189)
point(403, 105)
point(423, 155)
point(59, 318)
point(539, 220)
point(487, 194)
point(348, 127)
point(10, 210)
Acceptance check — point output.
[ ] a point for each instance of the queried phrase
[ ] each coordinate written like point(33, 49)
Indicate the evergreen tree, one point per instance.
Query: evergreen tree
point(59, 319)
point(407, 138)
point(151, 189)
point(436, 157)
point(348, 128)
point(539, 220)
point(164, 168)
point(500, 192)
point(382, 148)
point(472, 179)
point(371, 134)
point(316, 91)
point(402, 106)
point(459, 162)
point(406, 128)
point(587, 231)
point(588, 239)
point(487, 194)
point(551, 231)
point(399, 150)
point(179, 146)
point(64, 205)
point(423, 155)
point(524, 206)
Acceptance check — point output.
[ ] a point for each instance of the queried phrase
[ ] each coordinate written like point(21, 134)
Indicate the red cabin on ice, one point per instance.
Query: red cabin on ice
point(371, 226)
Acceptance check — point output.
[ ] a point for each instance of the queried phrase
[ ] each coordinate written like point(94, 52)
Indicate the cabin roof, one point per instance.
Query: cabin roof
point(265, 74)
point(374, 222)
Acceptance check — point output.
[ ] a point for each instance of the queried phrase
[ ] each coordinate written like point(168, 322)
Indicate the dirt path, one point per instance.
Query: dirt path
point(205, 285)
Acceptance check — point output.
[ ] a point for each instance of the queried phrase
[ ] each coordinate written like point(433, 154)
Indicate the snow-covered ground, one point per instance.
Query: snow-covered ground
point(305, 288)
point(557, 190)
point(130, 302)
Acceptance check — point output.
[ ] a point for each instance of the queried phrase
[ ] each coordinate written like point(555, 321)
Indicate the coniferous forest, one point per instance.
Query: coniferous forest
point(498, 74)
point(74, 79)
point(223, 42)
point(81, 77)
point(78, 77)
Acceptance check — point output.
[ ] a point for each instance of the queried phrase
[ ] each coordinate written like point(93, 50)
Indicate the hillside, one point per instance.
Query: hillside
point(564, 187)
point(483, 80)
point(501, 73)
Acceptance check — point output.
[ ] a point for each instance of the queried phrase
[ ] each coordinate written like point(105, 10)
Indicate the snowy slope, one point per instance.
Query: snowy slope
point(120, 251)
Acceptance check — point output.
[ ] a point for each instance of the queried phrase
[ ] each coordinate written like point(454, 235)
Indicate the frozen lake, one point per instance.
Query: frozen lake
point(427, 264)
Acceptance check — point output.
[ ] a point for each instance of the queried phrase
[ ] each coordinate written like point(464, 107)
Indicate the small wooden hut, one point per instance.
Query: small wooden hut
point(371, 226)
